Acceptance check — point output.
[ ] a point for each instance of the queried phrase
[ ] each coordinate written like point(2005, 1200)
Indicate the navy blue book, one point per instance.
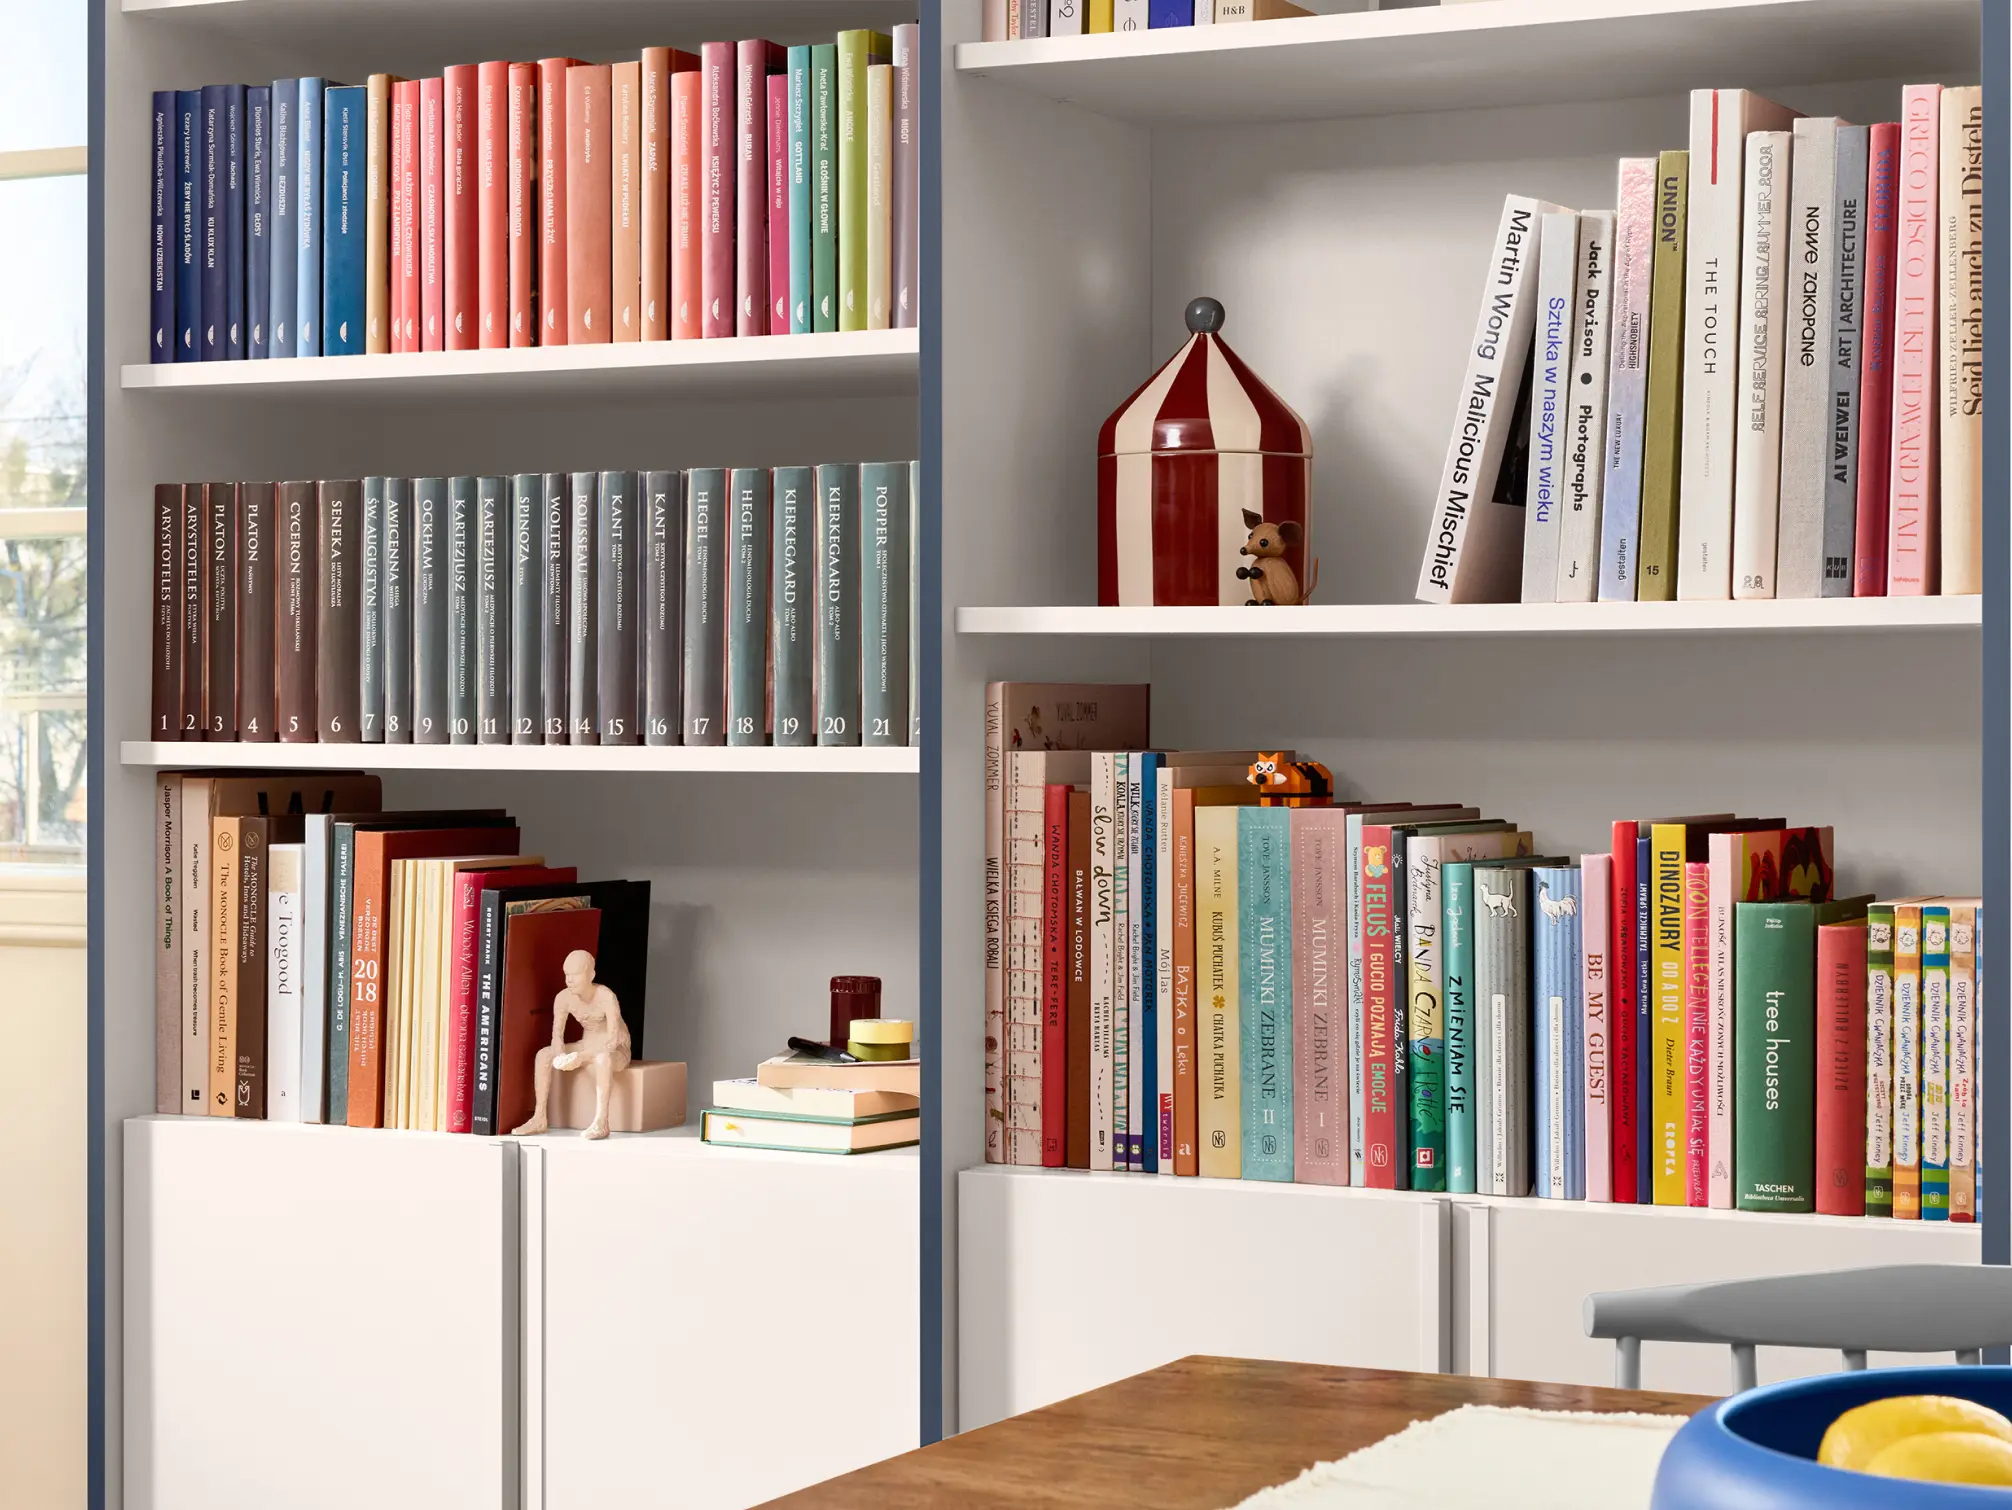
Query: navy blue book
point(234, 222)
point(213, 335)
point(307, 134)
point(188, 225)
point(282, 229)
point(161, 232)
point(343, 239)
point(1644, 1154)
point(1170, 13)
point(258, 219)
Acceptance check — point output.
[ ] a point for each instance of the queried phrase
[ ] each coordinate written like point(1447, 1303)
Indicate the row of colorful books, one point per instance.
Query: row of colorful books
point(746, 189)
point(715, 606)
point(1011, 20)
point(1761, 376)
point(318, 959)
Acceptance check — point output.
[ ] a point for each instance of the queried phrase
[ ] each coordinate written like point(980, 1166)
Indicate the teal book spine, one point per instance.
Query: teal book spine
point(1420, 983)
point(792, 606)
point(1264, 958)
point(747, 606)
point(883, 603)
point(1934, 1063)
point(338, 972)
point(1457, 1002)
point(824, 187)
point(800, 235)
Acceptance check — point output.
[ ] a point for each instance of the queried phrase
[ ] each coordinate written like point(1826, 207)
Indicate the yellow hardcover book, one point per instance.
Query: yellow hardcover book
point(426, 947)
point(1663, 415)
point(223, 925)
point(1100, 18)
point(1219, 1096)
point(1667, 1107)
point(377, 213)
point(1907, 1058)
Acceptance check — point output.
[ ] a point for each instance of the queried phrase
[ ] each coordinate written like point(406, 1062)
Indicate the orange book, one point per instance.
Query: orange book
point(377, 286)
point(551, 179)
point(458, 174)
point(522, 181)
point(687, 268)
point(492, 202)
point(590, 185)
point(626, 250)
point(654, 268)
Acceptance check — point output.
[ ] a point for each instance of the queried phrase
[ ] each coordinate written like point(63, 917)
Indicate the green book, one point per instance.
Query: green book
point(1457, 903)
point(1774, 1050)
point(1663, 414)
point(799, 170)
point(1264, 961)
point(824, 187)
point(1879, 1059)
point(856, 49)
point(1934, 1062)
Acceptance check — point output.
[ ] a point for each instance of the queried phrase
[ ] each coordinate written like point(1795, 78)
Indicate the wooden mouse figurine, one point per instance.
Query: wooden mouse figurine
point(1271, 579)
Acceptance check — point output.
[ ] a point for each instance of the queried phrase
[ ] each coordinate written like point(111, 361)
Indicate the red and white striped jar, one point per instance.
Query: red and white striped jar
point(1180, 462)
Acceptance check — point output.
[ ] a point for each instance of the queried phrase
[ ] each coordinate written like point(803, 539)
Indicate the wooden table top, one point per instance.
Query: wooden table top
point(1197, 1434)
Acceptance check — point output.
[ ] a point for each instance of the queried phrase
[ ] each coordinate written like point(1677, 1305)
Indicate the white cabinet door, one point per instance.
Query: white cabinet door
point(317, 1319)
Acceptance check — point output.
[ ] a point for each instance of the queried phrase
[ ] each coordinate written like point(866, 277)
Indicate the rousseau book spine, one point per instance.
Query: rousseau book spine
point(583, 717)
point(792, 605)
point(747, 606)
point(705, 606)
point(370, 627)
point(256, 613)
point(1879, 1059)
point(527, 602)
point(492, 595)
point(617, 638)
point(663, 610)
point(1913, 533)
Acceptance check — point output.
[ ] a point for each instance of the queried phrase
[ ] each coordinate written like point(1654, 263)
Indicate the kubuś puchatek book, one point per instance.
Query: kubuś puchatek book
point(338, 631)
point(618, 588)
point(397, 611)
point(583, 719)
point(705, 606)
point(883, 602)
point(527, 601)
point(747, 606)
point(256, 613)
point(493, 607)
point(837, 673)
point(220, 521)
point(370, 634)
point(460, 610)
point(294, 653)
point(429, 611)
point(663, 606)
point(165, 719)
point(793, 605)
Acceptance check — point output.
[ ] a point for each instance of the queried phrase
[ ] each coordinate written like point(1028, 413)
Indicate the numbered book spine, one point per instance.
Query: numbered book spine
point(792, 605)
point(165, 717)
point(429, 613)
point(1654, 568)
point(1840, 472)
point(1808, 251)
point(1763, 274)
point(1551, 372)
point(461, 627)
point(339, 627)
point(294, 649)
point(220, 527)
point(370, 634)
point(1264, 955)
point(663, 606)
point(397, 597)
point(1840, 1068)
point(492, 610)
point(527, 600)
point(283, 233)
point(1875, 385)
point(1913, 533)
point(824, 186)
point(883, 600)
point(1935, 1063)
point(1963, 1061)
point(191, 620)
point(258, 221)
point(1628, 372)
point(1774, 1028)
point(1960, 386)
point(1879, 1059)
point(553, 651)
point(617, 589)
point(583, 718)
point(838, 640)
point(256, 613)
point(1583, 410)
point(747, 606)
point(160, 232)
point(705, 606)
point(344, 240)
point(1907, 1060)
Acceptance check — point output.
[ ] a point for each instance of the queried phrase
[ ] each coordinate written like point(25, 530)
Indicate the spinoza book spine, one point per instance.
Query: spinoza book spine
point(616, 642)
point(396, 591)
point(747, 606)
point(493, 607)
point(705, 606)
point(663, 605)
point(429, 611)
point(837, 675)
point(527, 600)
point(371, 635)
point(792, 612)
point(883, 602)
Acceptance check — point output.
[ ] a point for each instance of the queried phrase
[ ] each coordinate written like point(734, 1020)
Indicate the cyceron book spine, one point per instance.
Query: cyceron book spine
point(583, 718)
point(663, 606)
point(294, 657)
point(792, 605)
point(257, 615)
point(747, 606)
point(616, 638)
point(492, 594)
point(429, 611)
point(527, 602)
point(461, 626)
point(370, 628)
point(705, 606)
point(397, 589)
point(838, 638)
point(338, 632)
point(883, 603)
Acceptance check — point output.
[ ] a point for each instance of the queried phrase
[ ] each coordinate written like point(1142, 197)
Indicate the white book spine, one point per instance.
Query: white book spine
point(1808, 250)
point(1473, 546)
point(1205, 12)
point(1627, 375)
point(1960, 391)
point(1586, 410)
point(283, 1099)
point(1840, 501)
point(1163, 950)
point(317, 862)
point(1136, 1047)
point(1596, 935)
point(1129, 15)
point(1351, 877)
point(1757, 452)
point(1025, 832)
point(1725, 883)
point(1065, 17)
point(1551, 372)
point(1103, 950)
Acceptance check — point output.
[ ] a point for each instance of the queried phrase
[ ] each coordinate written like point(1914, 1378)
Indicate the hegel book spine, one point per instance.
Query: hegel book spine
point(883, 555)
point(527, 601)
point(165, 719)
point(747, 606)
point(294, 657)
point(1913, 533)
point(370, 636)
point(705, 606)
point(1841, 432)
point(663, 607)
point(583, 723)
point(220, 528)
point(1557, 256)
point(396, 592)
point(1763, 275)
point(1960, 393)
point(283, 232)
point(1582, 406)
point(1808, 236)
point(256, 614)
point(616, 641)
point(553, 649)
point(837, 673)
point(339, 620)
point(1628, 366)
point(792, 605)
point(493, 599)
point(429, 610)
point(1654, 570)
point(459, 546)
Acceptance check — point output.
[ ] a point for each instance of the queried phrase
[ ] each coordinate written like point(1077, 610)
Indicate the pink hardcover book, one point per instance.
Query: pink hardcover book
point(432, 287)
point(1697, 1028)
point(405, 215)
point(755, 62)
point(394, 267)
point(686, 276)
point(625, 255)
point(1596, 997)
point(778, 204)
point(716, 190)
point(1319, 987)
point(552, 200)
point(1912, 528)
point(492, 201)
point(1875, 390)
point(523, 161)
point(459, 170)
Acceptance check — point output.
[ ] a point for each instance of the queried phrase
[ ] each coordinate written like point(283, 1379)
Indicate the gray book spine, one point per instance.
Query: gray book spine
point(1808, 234)
point(429, 610)
point(792, 619)
point(1840, 492)
point(705, 606)
point(837, 604)
point(460, 610)
point(618, 596)
point(492, 610)
point(583, 724)
point(663, 604)
point(1501, 1005)
point(883, 603)
point(371, 643)
point(397, 598)
point(915, 605)
point(527, 596)
point(747, 606)
point(552, 647)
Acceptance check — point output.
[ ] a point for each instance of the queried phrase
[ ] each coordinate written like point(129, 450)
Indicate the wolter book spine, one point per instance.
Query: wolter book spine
point(294, 654)
point(429, 611)
point(1551, 370)
point(1655, 578)
point(747, 606)
point(1845, 419)
point(705, 606)
point(1840, 1068)
point(1879, 1059)
point(554, 651)
point(1264, 956)
point(1875, 384)
point(824, 186)
point(344, 240)
point(370, 632)
point(663, 606)
point(793, 606)
point(164, 720)
point(339, 619)
point(583, 717)
point(883, 603)
point(838, 594)
point(220, 528)
point(1960, 339)
point(1913, 529)
point(1765, 251)
point(462, 497)
point(1628, 372)
point(257, 613)
point(1584, 410)
point(283, 230)
point(397, 610)
point(617, 641)
point(754, 61)
point(527, 602)
point(160, 231)
point(716, 189)
point(257, 221)
point(857, 51)
point(494, 603)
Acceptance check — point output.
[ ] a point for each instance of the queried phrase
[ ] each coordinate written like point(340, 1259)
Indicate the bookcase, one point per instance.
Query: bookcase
point(412, 1319)
point(1334, 182)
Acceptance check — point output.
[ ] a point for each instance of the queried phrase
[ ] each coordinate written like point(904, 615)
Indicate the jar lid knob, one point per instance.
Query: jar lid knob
point(1205, 316)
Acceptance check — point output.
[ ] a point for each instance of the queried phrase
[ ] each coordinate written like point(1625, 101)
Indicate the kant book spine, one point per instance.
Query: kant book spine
point(755, 60)
point(339, 619)
point(747, 606)
point(283, 230)
point(1757, 460)
point(792, 611)
point(459, 559)
point(717, 131)
point(589, 202)
point(165, 717)
point(460, 240)
point(299, 573)
point(663, 606)
point(883, 601)
point(527, 599)
point(616, 641)
point(837, 674)
point(1628, 371)
point(625, 249)
point(397, 611)
point(1551, 372)
point(824, 187)
point(554, 652)
point(493, 607)
point(1960, 390)
point(1875, 384)
point(1655, 575)
point(1844, 419)
point(220, 527)
point(1808, 253)
point(191, 616)
point(1583, 410)
point(705, 606)
point(370, 635)
point(1913, 531)
point(583, 720)
point(256, 612)
point(429, 611)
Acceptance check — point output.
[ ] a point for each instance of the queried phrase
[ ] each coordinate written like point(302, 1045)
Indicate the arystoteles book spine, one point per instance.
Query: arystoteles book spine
point(256, 615)
point(492, 611)
point(160, 233)
point(747, 607)
point(299, 584)
point(883, 619)
point(583, 722)
point(705, 606)
point(616, 642)
point(220, 511)
point(552, 646)
point(792, 610)
point(663, 606)
point(338, 687)
point(429, 610)
point(370, 635)
point(396, 590)
point(837, 675)
point(527, 600)
point(460, 610)
point(165, 719)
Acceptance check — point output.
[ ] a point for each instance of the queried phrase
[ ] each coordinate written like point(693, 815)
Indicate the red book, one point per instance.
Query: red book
point(523, 162)
point(405, 213)
point(432, 284)
point(590, 185)
point(1840, 1068)
point(394, 200)
point(1697, 1030)
point(492, 202)
point(461, 314)
point(716, 189)
point(778, 204)
point(1383, 1113)
point(1913, 533)
point(626, 248)
point(1875, 391)
point(462, 981)
point(1622, 986)
point(1055, 978)
point(686, 274)
point(755, 61)
point(551, 176)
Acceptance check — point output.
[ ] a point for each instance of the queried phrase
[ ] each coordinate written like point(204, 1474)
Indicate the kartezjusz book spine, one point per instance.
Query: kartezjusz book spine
point(1840, 494)
point(883, 620)
point(705, 606)
point(338, 686)
point(747, 606)
point(397, 610)
point(792, 610)
point(1557, 255)
point(527, 601)
point(460, 645)
point(1757, 461)
point(553, 650)
point(583, 725)
point(370, 636)
point(663, 606)
point(257, 618)
point(493, 606)
point(220, 525)
point(165, 718)
point(295, 657)
point(837, 674)
point(1809, 247)
point(429, 611)
point(618, 589)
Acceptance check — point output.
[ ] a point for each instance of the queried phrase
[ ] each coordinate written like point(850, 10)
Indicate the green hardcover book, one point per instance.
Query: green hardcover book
point(883, 603)
point(1774, 1050)
point(1879, 1059)
point(799, 171)
point(1663, 415)
point(1264, 960)
point(1457, 904)
point(856, 49)
point(1934, 1062)
point(837, 642)
point(824, 187)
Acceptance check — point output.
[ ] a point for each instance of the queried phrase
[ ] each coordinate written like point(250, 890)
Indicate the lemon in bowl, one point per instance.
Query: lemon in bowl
point(1861, 1434)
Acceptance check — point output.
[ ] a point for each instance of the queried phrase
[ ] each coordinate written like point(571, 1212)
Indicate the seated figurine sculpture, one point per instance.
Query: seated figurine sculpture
point(603, 1045)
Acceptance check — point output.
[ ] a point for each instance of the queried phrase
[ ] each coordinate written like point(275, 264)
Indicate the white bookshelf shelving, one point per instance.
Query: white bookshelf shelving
point(766, 760)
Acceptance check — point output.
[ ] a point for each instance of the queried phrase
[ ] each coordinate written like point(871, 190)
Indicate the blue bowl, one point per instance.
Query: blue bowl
point(1757, 1451)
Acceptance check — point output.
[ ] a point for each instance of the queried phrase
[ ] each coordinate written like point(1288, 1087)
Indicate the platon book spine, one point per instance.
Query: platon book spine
point(705, 606)
point(792, 605)
point(370, 634)
point(461, 627)
point(339, 620)
point(493, 600)
point(397, 610)
point(165, 717)
point(527, 600)
point(1808, 253)
point(1763, 275)
point(1655, 576)
point(429, 611)
point(295, 658)
point(883, 601)
point(838, 639)
point(663, 606)
point(583, 721)
point(616, 640)
point(554, 649)
point(1913, 530)
point(747, 606)
point(1840, 488)
point(1875, 387)
point(220, 527)
point(257, 615)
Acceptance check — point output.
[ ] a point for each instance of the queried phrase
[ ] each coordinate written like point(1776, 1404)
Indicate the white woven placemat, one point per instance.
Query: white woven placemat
point(1490, 1457)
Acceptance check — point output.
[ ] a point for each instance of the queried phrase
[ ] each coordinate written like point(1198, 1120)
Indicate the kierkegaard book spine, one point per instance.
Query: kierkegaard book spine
point(663, 605)
point(883, 555)
point(527, 597)
point(1583, 410)
point(370, 635)
point(616, 640)
point(583, 718)
point(493, 606)
point(165, 719)
point(837, 675)
point(554, 657)
point(792, 605)
point(1551, 369)
point(461, 627)
point(1628, 366)
point(1757, 458)
point(1809, 240)
point(747, 606)
point(1842, 413)
point(429, 612)
point(1960, 395)
point(705, 606)
point(397, 590)
point(1655, 567)
point(299, 577)
point(257, 618)
point(220, 522)
point(1913, 531)
point(338, 686)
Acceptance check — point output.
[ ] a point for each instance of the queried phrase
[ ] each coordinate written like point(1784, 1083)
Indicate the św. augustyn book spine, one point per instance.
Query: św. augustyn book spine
point(1583, 410)
point(493, 607)
point(527, 600)
point(397, 591)
point(1808, 252)
point(370, 641)
point(1628, 370)
point(257, 618)
point(1913, 530)
point(583, 720)
point(1757, 458)
point(663, 606)
point(1662, 438)
point(1551, 370)
point(460, 647)
point(793, 605)
point(338, 630)
point(705, 606)
point(837, 676)
point(747, 606)
point(160, 232)
point(429, 611)
point(883, 603)
point(616, 638)
point(554, 651)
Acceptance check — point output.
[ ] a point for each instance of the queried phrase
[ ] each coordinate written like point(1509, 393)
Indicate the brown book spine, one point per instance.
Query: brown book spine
point(1186, 1108)
point(220, 512)
point(256, 614)
point(254, 839)
point(523, 204)
point(339, 616)
point(166, 719)
point(194, 615)
point(590, 183)
point(222, 923)
point(653, 292)
point(299, 584)
point(1077, 1022)
point(492, 202)
point(626, 249)
point(377, 213)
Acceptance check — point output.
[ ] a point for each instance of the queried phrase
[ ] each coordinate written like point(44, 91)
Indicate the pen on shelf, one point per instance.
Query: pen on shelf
point(816, 1050)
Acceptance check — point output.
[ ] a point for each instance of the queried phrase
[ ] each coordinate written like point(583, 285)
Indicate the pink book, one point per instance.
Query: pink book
point(1054, 976)
point(1912, 528)
point(492, 202)
point(1697, 1024)
point(1596, 997)
point(778, 204)
point(552, 200)
point(686, 275)
point(394, 267)
point(459, 169)
point(756, 61)
point(461, 984)
point(716, 165)
point(1875, 392)
point(1319, 996)
point(432, 287)
point(523, 160)
point(405, 215)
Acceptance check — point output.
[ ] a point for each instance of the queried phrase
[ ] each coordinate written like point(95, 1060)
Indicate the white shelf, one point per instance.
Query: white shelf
point(1421, 620)
point(1463, 57)
point(763, 760)
point(843, 363)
